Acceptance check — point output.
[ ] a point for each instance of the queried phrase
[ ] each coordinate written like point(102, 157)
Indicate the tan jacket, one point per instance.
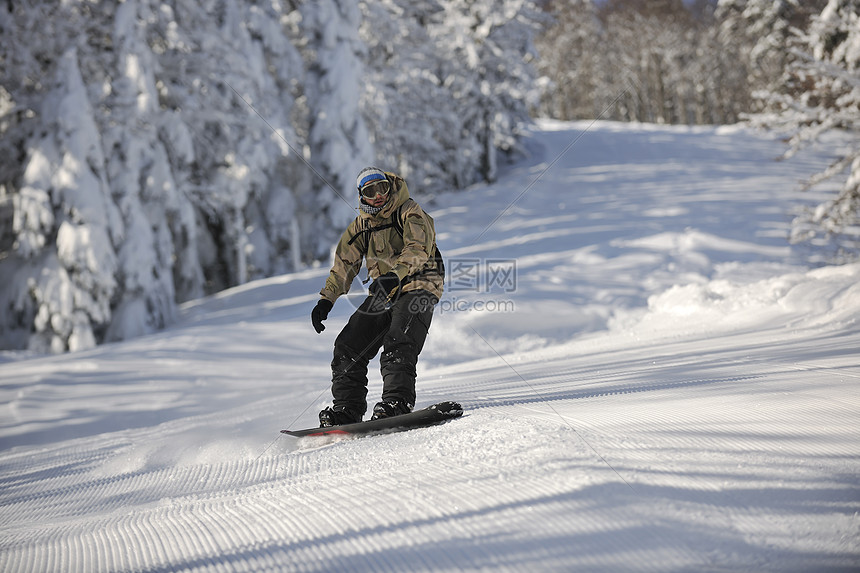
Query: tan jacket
point(410, 256)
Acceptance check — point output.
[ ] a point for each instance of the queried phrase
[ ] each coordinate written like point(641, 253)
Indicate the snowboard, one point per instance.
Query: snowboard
point(435, 414)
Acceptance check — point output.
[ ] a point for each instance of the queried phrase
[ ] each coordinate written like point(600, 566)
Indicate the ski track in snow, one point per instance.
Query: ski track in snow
point(674, 391)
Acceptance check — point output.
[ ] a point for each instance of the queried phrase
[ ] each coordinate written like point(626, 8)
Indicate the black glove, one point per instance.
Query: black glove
point(320, 313)
point(384, 285)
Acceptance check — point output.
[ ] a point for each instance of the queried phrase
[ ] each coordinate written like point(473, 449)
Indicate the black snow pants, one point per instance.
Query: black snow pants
point(400, 330)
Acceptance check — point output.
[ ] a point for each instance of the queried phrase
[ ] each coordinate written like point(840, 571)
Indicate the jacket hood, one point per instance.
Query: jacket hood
point(399, 195)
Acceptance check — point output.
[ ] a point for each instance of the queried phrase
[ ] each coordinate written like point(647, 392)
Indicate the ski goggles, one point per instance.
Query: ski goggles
point(375, 188)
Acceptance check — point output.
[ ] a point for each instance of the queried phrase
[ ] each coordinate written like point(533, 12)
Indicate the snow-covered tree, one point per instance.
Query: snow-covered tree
point(226, 84)
point(411, 114)
point(628, 60)
point(487, 50)
point(667, 61)
point(140, 177)
point(753, 38)
point(821, 95)
point(570, 61)
point(448, 85)
point(337, 134)
point(65, 224)
point(758, 32)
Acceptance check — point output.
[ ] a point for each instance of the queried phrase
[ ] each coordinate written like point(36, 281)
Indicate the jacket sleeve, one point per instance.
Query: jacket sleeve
point(347, 262)
point(419, 236)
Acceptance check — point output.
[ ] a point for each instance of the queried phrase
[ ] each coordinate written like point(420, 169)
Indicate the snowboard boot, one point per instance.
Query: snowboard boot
point(388, 408)
point(337, 416)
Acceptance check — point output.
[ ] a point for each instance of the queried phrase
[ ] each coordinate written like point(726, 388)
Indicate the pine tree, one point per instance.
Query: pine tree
point(448, 87)
point(133, 178)
point(820, 95)
point(338, 139)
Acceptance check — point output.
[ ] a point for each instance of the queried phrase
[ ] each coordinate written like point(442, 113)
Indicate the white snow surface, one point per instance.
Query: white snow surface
point(664, 387)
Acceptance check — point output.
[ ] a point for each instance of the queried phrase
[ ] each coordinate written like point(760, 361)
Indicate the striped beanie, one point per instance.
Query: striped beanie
point(369, 175)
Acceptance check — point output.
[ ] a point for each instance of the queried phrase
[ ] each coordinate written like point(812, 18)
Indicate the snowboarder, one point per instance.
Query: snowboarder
point(397, 239)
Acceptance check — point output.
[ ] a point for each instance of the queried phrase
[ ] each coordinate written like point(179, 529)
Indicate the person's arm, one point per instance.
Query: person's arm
point(418, 239)
point(348, 257)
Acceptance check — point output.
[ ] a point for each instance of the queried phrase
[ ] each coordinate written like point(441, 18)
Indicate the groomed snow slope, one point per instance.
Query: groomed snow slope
point(653, 381)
